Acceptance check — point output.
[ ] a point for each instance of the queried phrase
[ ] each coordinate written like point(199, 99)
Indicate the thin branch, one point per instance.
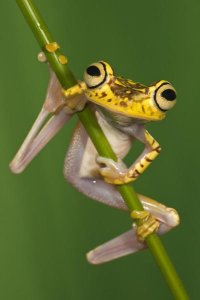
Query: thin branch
point(103, 147)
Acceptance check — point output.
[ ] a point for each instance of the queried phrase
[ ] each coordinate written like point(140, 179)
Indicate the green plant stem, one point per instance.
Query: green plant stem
point(103, 147)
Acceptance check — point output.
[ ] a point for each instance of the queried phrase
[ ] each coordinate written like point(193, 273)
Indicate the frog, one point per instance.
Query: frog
point(122, 108)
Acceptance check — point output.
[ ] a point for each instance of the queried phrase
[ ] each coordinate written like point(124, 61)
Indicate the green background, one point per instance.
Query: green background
point(46, 226)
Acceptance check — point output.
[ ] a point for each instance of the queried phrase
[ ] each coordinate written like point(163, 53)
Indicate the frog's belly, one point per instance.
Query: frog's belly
point(119, 141)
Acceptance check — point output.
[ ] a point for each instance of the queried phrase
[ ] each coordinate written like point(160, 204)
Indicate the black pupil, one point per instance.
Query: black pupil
point(93, 71)
point(169, 95)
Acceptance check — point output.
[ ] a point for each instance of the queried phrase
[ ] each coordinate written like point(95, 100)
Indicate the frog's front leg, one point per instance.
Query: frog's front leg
point(116, 172)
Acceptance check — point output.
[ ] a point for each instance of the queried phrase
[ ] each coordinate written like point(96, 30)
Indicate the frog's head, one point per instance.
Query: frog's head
point(126, 97)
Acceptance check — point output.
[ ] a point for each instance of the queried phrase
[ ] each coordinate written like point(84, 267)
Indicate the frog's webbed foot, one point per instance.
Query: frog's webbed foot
point(114, 172)
point(147, 223)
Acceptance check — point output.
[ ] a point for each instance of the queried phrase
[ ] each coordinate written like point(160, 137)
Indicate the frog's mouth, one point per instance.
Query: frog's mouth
point(134, 111)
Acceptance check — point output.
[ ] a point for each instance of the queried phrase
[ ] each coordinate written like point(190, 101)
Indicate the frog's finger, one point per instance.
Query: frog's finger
point(106, 161)
point(115, 165)
point(113, 172)
point(108, 172)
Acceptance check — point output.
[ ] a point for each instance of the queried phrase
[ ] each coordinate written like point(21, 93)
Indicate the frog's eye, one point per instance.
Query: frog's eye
point(96, 74)
point(165, 96)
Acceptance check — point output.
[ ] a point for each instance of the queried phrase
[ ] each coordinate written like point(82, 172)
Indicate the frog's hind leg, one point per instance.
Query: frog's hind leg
point(80, 165)
point(80, 169)
point(125, 244)
point(128, 242)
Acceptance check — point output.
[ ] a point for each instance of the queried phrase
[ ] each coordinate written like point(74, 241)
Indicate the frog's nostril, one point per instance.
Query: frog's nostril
point(93, 71)
point(169, 94)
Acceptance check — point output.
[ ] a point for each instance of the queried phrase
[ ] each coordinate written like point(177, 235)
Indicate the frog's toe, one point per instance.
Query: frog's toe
point(148, 223)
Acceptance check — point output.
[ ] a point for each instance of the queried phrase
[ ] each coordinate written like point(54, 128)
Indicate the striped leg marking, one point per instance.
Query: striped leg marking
point(152, 150)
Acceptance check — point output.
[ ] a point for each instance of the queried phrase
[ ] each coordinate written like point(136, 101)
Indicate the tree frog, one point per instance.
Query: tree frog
point(122, 108)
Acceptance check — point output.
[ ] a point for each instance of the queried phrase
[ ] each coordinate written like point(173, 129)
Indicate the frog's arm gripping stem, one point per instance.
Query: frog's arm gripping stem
point(75, 90)
point(116, 172)
point(151, 151)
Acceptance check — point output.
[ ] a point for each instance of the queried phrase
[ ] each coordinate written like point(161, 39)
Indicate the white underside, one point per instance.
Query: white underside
point(120, 142)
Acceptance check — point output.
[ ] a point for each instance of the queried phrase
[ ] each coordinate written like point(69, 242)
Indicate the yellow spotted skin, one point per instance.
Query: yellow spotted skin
point(127, 98)
point(124, 96)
